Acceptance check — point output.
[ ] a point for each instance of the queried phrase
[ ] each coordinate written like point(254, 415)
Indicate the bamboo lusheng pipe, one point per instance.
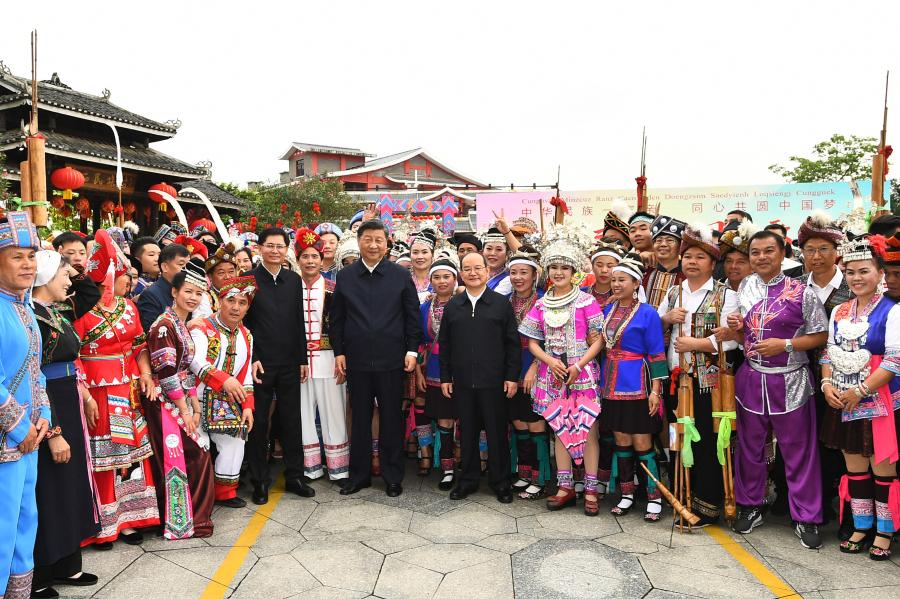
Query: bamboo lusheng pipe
point(38, 179)
point(684, 409)
point(723, 401)
point(677, 506)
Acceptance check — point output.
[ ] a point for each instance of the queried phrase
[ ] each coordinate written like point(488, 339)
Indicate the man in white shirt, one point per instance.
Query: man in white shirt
point(695, 314)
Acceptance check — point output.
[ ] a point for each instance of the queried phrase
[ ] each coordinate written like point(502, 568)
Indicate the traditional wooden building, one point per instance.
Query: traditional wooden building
point(411, 182)
point(80, 131)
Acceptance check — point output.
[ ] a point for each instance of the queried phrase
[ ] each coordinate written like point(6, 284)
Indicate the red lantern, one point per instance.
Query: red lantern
point(130, 207)
point(67, 179)
point(107, 206)
point(156, 196)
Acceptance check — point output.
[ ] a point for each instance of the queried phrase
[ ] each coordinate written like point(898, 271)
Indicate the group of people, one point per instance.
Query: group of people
point(142, 378)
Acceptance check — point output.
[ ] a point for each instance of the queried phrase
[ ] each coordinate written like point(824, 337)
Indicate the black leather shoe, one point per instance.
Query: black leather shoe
point(82, 580)
point(102, 546)
point(505, 495)
point(260, 494)
point(46, 593)
point(298, 487)
point(394, 490)
point(461, 492)
point(349, 487)
point(132, 538)
point(234, 502)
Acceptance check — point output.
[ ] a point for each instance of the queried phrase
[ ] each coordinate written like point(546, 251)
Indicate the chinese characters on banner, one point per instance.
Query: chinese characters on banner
point(788, 204)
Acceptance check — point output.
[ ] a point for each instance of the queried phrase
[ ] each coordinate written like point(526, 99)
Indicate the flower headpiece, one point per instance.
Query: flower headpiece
point(613, 249)
point(526, 255)
point(306, 238)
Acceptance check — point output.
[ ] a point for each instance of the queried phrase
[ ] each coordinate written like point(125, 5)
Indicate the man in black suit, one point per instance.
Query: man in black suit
point(280, 365)
point(375, 334)
point(158, 296)
point(480, 356)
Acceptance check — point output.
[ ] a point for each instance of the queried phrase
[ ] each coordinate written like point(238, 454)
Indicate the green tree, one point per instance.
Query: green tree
point(308, 202)
point(840, 158)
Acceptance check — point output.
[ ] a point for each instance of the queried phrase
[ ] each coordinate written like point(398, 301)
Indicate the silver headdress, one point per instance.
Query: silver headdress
point(567, 245)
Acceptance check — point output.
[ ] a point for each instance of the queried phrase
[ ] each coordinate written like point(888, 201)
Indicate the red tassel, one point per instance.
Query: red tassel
point(673, 380)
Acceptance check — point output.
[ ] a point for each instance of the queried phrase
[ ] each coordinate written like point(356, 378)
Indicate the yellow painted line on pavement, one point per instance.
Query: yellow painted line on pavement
point(752, 565)
point(229, 567)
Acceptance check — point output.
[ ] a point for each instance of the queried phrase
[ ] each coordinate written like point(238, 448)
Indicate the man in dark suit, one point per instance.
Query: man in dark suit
point(480, 356)
point(280, 365)
point(375, 334)
point(158, 296)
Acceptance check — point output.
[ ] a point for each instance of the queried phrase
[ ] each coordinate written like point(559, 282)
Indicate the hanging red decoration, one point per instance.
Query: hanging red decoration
point(170, 213)
point(82, 204)
point(253, 222)
point(67, 179)
point(130, 207)
point(156, 194)
point(65, 211)
point(283, 208)
point(107, 206)
point(57, 203)
point(118, 210)
point(279, 223)
point(147, 212)
point(316, 208)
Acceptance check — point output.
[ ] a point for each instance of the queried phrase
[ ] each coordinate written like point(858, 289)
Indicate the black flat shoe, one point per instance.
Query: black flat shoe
point(394, 490)
point(234, 502)
point(461, 493)
point(82, 580)
point(298, 487)
point(47, 593)
point(260, 494)
point(132, 538)
point(102, 546)
point(446, 481)
point(505, 496)
point(349, 488)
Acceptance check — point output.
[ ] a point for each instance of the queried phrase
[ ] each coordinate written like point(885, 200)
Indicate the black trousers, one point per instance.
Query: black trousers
point(482, 409)
point(387, 386)
point(64, 568)
point(284, 383)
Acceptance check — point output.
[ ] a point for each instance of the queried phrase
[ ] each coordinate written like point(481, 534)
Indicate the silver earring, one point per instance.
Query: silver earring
point(634, 295)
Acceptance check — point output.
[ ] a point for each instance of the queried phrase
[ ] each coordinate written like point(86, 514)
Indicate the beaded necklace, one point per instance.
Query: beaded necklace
point(623, 324)
point(522, 305)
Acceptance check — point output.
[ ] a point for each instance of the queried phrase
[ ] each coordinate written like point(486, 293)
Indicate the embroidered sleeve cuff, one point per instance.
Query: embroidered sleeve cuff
point(658, 367)
point(214, 379)
point(12, 420)
point(249, 402)
point(891, 363)
point(173, 394)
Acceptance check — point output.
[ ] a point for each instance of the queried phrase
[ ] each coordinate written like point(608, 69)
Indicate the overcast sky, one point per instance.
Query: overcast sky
point(501, 91)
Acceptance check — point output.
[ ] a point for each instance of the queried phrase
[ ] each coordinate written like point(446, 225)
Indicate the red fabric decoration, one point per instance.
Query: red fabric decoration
point(316, 209)
point(65, 211)
point(130, 207)
point(107, 206)
point(886, 152)
point(253, 222)
point(879, 244)
point(82, 204)
point(57, 203)
point(118, 210)
point(561, 204)
point(283, 208)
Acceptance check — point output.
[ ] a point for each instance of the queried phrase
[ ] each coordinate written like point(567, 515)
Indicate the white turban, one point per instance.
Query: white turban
point(48, 262)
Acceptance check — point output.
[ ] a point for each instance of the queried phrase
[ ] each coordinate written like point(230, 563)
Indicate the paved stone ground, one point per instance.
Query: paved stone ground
point(421, 544)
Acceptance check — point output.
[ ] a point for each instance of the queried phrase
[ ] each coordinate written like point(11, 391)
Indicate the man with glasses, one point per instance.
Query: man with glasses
point(666, 234)
point(280, 366)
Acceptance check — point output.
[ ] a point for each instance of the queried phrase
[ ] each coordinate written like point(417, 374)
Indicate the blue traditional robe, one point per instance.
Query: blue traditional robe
point(20, 369)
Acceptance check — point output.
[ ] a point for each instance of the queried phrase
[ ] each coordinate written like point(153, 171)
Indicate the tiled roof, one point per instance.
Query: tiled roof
point(216, 194)
point(137, 158)
point(323, 149)
point(59, 95)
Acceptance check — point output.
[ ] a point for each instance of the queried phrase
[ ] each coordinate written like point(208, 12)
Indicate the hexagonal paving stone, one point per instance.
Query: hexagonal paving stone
point(564, 569)
point(348, 565)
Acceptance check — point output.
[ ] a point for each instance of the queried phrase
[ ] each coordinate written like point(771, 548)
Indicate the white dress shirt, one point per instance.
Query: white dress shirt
point(823, 293)
point(692, 301)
